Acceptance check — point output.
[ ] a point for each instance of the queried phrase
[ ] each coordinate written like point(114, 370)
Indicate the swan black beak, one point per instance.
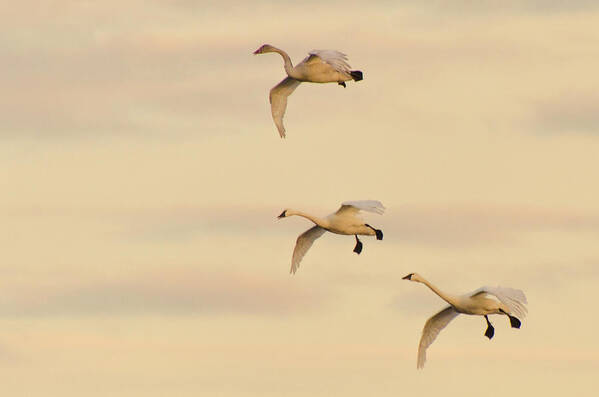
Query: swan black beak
point(408, 277)
point(283, 215)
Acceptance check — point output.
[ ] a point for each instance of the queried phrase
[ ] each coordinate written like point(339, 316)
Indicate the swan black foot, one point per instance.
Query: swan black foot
point(490, 330)
point(358, 247)
point(514, 322)
point(356, 75)
point(378, 232)
point(342, 83)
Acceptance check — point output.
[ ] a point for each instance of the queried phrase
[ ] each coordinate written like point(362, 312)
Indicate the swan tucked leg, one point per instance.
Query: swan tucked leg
point(490, 330)
point(358, 247)
point(378, 232)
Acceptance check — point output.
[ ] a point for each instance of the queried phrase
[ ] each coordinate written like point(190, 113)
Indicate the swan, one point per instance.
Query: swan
point(320, 66)
point(344, 221)
point(482, 302)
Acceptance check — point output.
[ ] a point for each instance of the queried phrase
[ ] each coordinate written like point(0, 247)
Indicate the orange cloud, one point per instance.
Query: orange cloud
point(173, 292)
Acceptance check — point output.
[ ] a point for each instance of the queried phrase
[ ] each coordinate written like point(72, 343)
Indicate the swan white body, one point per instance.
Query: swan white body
point(344, 221)
point(320, 66)
point(482, 302)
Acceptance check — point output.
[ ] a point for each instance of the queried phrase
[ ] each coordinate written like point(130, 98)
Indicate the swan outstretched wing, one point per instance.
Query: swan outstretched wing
point(514, 299)
point(431, 329)
point(336, 59)
point(361, 205)
point(278, 101)
point(303, 244)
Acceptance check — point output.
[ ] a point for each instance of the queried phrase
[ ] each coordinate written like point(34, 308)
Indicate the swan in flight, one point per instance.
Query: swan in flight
point(344, 221)
point(482, 302)
point(320, 66)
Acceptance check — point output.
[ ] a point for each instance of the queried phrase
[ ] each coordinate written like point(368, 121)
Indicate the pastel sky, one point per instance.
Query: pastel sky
point(142, 175)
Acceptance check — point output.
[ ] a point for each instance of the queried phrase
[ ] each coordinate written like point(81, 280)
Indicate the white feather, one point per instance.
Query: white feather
point(363, 205)
point(303, 244)
point(336, 59)
point(513, 298)
point(431, 329)
point(278, 101)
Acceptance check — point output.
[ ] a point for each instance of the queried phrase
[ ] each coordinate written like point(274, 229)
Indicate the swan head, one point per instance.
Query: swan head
point(287, 212)
point(413, 277)
point(265, 48)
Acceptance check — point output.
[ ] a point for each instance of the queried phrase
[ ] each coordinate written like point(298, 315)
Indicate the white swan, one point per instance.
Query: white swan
point(483, 301)
point(320, 66)
point(344, 221)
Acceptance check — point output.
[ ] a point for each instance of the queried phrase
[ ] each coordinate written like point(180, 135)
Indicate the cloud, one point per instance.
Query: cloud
point(182, 69)
point(87, 73)
point(561, 275)
point(457, 225)
point(123, 85)
point(444, 225)
point(511, 6)
point(186, 223)
point(569, 113)
point(450, 225)
point(176, 292)
point(9, 355)
point(416, 302)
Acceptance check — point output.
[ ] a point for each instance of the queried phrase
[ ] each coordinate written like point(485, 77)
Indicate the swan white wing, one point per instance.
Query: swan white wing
point(336, 59)
point(278, 101)
point(514, 299)
point(303, 244)
point(361, 205)
point(431, 329)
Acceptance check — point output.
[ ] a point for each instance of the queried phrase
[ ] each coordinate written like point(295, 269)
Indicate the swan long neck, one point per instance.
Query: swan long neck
point(319, 221)
point(447, 298)
point(289, 69)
